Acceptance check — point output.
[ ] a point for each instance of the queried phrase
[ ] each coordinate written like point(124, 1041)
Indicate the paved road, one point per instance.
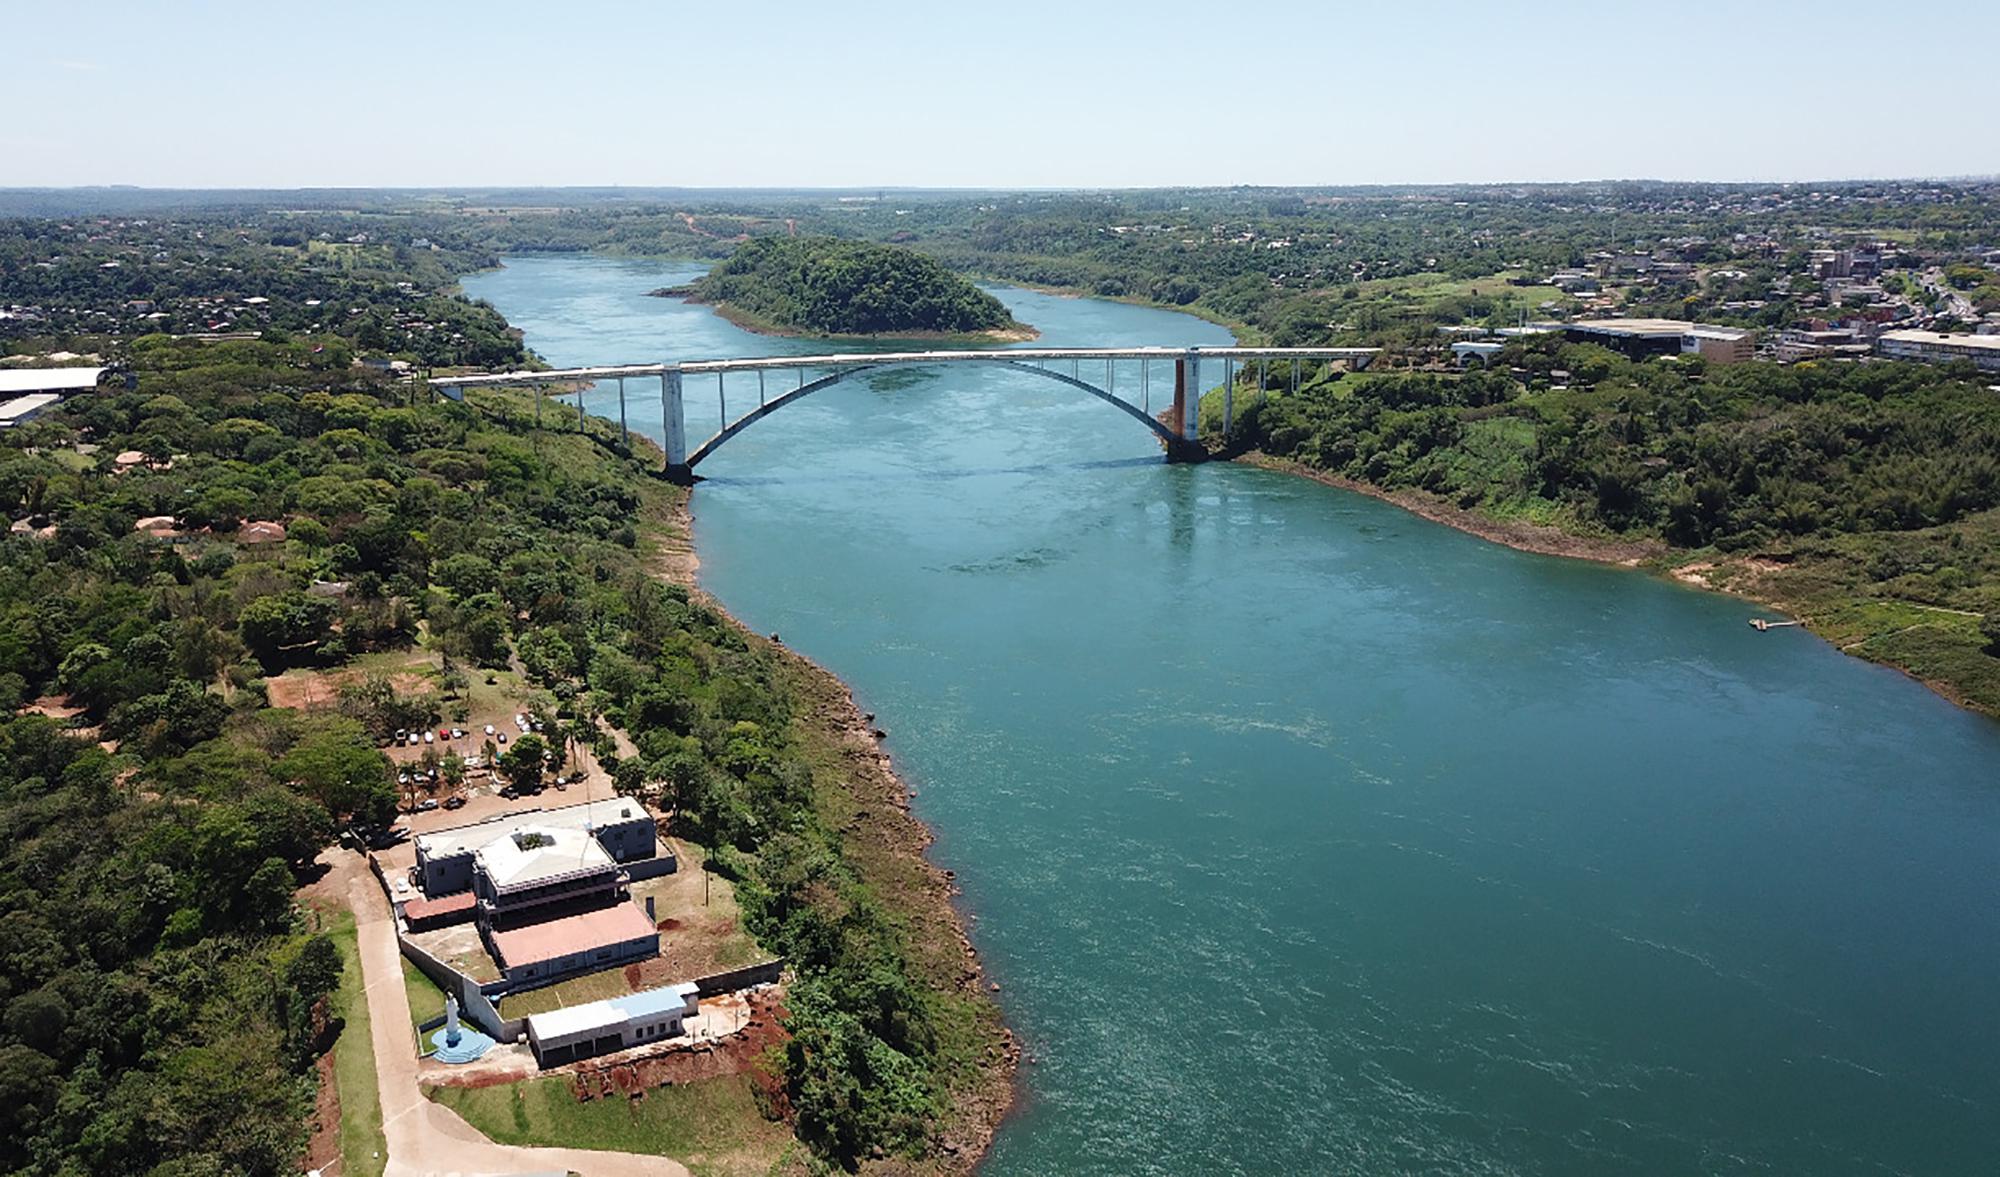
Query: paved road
point(425, 1139)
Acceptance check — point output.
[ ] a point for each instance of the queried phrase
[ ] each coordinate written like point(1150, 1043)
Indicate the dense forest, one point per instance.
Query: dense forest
point(163, 998)
point(825, 286)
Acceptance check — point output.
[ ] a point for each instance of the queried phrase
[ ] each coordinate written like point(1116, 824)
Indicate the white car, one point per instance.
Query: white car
point(489, 729)
point(415, 739)
point(430, 737)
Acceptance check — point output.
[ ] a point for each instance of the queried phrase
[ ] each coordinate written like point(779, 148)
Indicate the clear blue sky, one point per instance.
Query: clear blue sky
point(1022, 93)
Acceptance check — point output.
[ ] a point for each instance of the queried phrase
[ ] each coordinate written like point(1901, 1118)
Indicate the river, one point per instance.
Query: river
point(1306, 836)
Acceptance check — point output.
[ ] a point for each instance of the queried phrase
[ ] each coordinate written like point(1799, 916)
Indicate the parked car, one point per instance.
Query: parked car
point(500, 736)
point(454, 802)
point(489, 730)
point(413, 739)
point(402, 886)
point(427, 804)
point(444, 733)
point(429, 738)
point(458, 733)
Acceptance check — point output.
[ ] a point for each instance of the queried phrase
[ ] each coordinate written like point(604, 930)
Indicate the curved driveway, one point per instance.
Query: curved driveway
point(426, 1139)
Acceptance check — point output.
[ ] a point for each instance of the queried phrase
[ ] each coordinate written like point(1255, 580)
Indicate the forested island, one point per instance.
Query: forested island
point(831, 287)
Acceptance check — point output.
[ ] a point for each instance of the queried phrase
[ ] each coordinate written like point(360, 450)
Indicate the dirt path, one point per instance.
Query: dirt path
point(425, 1139)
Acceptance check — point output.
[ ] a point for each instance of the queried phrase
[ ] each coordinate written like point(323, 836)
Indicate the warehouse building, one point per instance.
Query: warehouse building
point(1937, 347)
point(25, 393)
point(1641, 339)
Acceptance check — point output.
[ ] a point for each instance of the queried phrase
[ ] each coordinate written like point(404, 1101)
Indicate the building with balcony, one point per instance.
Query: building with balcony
point(548, 889)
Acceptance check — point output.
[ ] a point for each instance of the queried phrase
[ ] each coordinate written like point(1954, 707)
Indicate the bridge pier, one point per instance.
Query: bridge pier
point(673, 426)
point(1185, 416)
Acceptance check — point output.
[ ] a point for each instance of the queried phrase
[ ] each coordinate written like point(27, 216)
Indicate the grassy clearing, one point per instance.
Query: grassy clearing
point(575, 991)
point(712, 1127)
point(364, 1151)
point(426, 999)
point(1425, 290)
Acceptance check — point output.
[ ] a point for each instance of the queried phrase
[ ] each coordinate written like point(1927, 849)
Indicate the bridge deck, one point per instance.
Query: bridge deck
point(869, 359)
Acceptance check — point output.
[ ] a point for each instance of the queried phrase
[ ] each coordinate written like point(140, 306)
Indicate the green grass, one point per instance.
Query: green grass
point(426, 999)
point(713, 1126)
point(1425, 289)
point(364, 1151)
point(575, 991)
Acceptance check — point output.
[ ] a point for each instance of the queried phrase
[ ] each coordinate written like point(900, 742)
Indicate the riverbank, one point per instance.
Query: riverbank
point(861, 795)
point(1853, 627)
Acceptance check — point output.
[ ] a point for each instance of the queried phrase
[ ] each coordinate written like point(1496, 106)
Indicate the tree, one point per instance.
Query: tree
point(524, 763)
point(285, 628)
point(348, 777)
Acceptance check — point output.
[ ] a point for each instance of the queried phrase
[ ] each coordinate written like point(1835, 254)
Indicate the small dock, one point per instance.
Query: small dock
point(1760, 625)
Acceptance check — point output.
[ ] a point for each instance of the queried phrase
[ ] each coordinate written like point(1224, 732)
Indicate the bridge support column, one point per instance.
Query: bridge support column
point(673, 426)
point(1186, 418)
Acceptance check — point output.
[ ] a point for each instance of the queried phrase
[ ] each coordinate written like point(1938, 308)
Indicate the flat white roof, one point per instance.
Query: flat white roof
point(588, 815)
point(1635, 326)
point(576, 1019)
point(560, 853)
point(613, 1011)
point(24, 406)
point(14, 381)
point(1981, 342)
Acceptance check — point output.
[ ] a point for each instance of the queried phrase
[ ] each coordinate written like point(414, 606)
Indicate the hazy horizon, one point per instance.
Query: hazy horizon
point(1276, 93)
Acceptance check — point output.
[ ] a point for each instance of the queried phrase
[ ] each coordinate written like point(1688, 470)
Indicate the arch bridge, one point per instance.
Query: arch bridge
point(1090, 369)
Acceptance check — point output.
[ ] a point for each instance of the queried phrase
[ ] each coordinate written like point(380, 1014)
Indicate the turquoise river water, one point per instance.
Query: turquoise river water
point(1305, 836)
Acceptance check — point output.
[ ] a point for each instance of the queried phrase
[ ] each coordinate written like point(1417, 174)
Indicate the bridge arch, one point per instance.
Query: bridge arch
point(1180, 435)
point(1167, 436)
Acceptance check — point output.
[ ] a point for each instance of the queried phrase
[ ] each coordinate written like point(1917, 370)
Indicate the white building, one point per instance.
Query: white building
point(1936, 347)
point(617, 1023)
